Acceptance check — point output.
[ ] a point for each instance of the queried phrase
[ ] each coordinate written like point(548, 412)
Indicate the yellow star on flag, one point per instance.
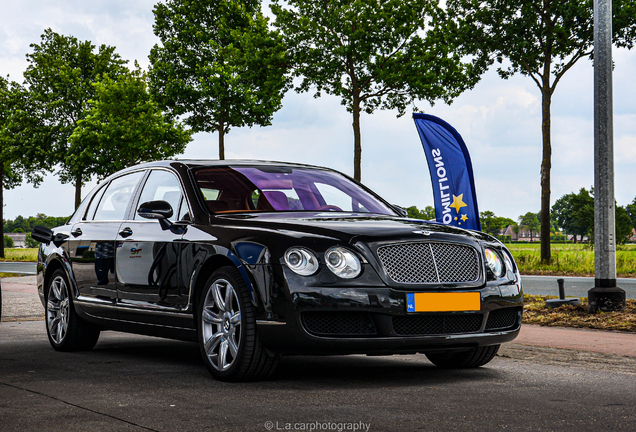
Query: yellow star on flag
point(458, 203)
point(464, 218)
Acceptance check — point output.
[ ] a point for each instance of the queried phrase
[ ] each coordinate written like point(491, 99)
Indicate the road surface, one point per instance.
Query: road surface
point(574, 286)
point(136, 383)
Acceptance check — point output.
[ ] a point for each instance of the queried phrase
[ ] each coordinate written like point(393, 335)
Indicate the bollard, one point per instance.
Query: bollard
point(561, 283)
point(561, 301)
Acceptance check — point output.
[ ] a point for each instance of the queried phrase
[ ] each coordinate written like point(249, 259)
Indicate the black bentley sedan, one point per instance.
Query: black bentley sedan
point(254, 260)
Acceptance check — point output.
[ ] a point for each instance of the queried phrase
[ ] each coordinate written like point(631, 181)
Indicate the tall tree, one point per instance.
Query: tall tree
point(492, 224)
point(218, 63)
point(541, 39)
point(60, 78)
point(428, 213)
point(631, 212)
point(373, 54)
point(531, 222)
point(623, 225)
point(18, 161)
point(575, 213)
point(123, 127)
point(9, 175)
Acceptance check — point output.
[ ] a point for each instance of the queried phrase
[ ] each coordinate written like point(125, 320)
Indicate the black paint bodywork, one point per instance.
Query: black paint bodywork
point(125, 290)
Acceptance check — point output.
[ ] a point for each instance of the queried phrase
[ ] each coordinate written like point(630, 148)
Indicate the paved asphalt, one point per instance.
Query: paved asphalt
point(135, 383)
point(574, 286)
point(26, 268)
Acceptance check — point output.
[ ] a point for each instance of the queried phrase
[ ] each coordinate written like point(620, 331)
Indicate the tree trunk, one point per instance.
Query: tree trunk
point(357, 141)
point(78, 191)
point(546, 165)
point(221, 140)
point(2, 211)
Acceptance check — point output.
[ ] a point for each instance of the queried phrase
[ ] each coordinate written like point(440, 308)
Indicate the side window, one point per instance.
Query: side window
point(94, 202)
point(184, 211)
point(116, 198)
point(161, 185)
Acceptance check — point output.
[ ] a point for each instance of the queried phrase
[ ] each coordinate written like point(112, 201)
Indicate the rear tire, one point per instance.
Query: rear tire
point(65, 329)
point(471, 358)
point(226, 321)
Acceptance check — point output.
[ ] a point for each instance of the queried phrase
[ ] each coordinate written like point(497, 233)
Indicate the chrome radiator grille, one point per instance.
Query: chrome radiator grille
point(415, 263)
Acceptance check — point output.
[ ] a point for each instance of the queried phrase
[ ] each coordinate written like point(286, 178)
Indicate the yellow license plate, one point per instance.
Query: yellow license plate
point(443, 302)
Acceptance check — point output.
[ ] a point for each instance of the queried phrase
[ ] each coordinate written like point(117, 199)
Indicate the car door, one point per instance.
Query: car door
point(147, 259)
point(92, 246)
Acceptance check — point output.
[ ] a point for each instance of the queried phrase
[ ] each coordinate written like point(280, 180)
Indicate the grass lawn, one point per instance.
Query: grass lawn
point(535, 312)
point(21, 255)
point(570, 259)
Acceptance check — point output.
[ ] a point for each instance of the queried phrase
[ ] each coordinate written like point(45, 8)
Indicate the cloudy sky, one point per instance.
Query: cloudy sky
point(499, 120)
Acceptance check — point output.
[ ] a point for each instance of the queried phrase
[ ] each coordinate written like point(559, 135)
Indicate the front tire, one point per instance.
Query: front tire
point(472, 358)
point(228, 339)
point(65, 329)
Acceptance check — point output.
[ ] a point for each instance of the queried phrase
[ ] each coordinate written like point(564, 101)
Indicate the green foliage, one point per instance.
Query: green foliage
point(29, 242)
point(8, 242)
point(427, 214)
point(16, 160)
point(60, 75)
point(631, 212)
point(219, 63)
point(575, 213)
point(540, 39)
point(531, 222)
point(534, 34)
point(11, 101)
point(373, 54)
point(504, 238)
point(22, 224)
point(124, 127)
point(492, 224)
point(623, 225)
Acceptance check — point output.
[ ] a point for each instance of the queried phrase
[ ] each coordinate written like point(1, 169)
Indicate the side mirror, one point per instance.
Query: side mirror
point(42, 234)
point(401, 211)
point(155, 210)
point(45, 235)
point(162, 211)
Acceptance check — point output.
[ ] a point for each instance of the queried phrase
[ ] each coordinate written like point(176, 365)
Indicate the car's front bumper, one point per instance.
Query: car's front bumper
point(374, 320)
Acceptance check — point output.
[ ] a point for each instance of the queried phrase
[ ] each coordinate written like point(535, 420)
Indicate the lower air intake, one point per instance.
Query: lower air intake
point(437, 324)
point(338, 323)
point(502, 319)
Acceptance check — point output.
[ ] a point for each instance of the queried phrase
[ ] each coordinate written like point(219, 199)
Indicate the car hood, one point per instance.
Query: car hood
point(349, 227)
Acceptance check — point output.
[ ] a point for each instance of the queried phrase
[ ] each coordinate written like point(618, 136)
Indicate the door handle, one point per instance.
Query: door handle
point(76, 232)
point(126, 232)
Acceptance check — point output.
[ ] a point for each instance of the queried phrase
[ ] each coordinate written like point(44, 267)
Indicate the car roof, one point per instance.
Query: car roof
point(196, 163)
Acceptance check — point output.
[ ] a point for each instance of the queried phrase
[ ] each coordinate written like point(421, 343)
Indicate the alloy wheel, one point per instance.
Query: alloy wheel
point(57, 309)
point(221, 324)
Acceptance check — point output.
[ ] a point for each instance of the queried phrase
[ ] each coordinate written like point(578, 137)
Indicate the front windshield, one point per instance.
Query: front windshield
point(281, 188)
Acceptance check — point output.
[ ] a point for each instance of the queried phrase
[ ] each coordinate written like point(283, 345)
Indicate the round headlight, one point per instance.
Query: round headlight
point(343, 263)
point(494, 262)
point(301, 261)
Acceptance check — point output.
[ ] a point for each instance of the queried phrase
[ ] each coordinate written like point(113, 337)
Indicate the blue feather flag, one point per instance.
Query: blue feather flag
point(451, 172)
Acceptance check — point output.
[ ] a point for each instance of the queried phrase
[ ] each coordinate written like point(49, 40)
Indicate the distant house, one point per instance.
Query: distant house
point(524, 234)
point(578, 239)
point(19, 239)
